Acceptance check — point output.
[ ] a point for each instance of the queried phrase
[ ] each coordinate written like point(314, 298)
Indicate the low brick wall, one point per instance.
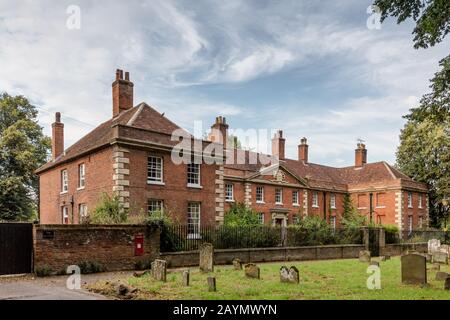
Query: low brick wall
point(113, 247)
point(191, 258)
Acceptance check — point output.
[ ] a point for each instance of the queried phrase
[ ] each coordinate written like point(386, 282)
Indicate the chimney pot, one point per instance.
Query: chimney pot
point(122, 93)
point(278, 145)
point(303, 150)
point(360, 155)
point(57, 137)
point(219, 132)
point(57, 117)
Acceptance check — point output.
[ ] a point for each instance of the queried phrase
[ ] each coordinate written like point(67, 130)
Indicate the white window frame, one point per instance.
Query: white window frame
point(155, 180)
point(65, 215)
point(410, 224)
point(295, 199)
point(410, 200)
point(82, 212)
point(193, 221)
point(333, 201)
point(281, 195)
point(64, 181)
point(420, 222)
point(420, 201)
point(261, 218)
point(229, 197)
point(333, 222)
point(81, 176)
point(261, 188)
point(192, 174)
point(315, 199)
point(159, 205)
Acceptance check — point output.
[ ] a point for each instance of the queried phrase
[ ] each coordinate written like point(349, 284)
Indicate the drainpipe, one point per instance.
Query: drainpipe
point(325, 205)
point(371, 207)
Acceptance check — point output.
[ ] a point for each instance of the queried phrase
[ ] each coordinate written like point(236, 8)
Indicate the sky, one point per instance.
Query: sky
point(311, 68)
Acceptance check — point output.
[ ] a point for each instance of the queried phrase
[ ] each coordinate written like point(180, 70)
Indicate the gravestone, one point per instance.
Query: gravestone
point(211, 284)
point(186, 278)
point(440, 257)
point(252, 271)
point(429, 257)
point(294, 275)
point(385, 257)
point(441, 276)
point(206, 257)
point(447, 284)
point(444, 249)
point(433, 245)
point(414, 269)
point(159, 270)
point(237, 264)
point(436, 267)
point(364, 256)
point(284, 274)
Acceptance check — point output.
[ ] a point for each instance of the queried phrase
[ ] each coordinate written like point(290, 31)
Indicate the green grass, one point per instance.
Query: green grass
point(332, 279)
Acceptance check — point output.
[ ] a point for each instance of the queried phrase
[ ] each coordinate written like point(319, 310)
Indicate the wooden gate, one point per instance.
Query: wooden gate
point(16, 248)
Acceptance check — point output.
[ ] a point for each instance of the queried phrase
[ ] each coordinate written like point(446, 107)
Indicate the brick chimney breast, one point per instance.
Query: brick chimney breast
point(219, 131)
point(360, 155)
point(278, 145)
point(303, 150)
point(122, 93)
point(57, 137)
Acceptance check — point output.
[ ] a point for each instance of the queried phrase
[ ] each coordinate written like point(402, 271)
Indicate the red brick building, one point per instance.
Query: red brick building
point(130, 155)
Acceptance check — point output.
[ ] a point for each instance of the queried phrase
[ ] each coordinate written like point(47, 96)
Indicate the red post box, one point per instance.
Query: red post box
point(138, 244)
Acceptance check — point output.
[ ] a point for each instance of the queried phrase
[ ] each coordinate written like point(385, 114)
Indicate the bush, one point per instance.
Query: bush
point(392, 234)
point(142, 265)
point(43, 271)
point(240, 215)
point(87, 267)
point(109, 211)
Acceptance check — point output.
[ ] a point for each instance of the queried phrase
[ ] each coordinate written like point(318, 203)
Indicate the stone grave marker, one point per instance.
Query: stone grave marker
point(374, 263)
point(252, 271)
point(237, 264)
point(440, 257)
point(211, 284)
point(159, 270)
point(364, 256)
point(294, 275)
point(433, 245)
point(186, 277)
point(441, 275)
point(284, 274)
point(436, 266)
point(414, 269)
point(206, 251)
point(447, 284)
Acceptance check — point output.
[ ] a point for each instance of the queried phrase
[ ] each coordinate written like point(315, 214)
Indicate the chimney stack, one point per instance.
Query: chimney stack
point(219, 132)
point(122, 93)
point(360, 155)
point(57, 137)
point(278, 145)
point(303, 150)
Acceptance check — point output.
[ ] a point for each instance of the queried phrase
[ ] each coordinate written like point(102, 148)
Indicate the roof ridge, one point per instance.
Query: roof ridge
point(388, 167)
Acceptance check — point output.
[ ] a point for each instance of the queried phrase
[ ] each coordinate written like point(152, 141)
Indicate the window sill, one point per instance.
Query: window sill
point(361, 208)
point(380, 207)
point(333, 208)
point(279, 203)
point(315, 206)
point(410, 207)
point(260, 202)
point(194, 186)
point(195, 236)
point(296, 205)
point(81, 188)
point(157, 183)
point(229, 201)
point(63, 192)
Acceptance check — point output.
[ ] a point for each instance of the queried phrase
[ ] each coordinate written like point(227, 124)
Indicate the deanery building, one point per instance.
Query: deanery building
point(131, 156)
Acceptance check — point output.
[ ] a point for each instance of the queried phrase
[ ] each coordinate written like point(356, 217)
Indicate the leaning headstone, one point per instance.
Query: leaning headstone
point(186, 278)
point(211, 284)
point(414, 269)
point(159, 270)
point(447, 284)
point(441, 275)
point(364, 256)
point(440, 257)
point(433, 245)
point(237, 264)
point(206, 257)
point(294, 275)
point(252, 271)
point(284, 274)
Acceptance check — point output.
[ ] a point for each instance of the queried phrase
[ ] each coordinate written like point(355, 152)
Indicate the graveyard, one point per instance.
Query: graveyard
point(327, 279)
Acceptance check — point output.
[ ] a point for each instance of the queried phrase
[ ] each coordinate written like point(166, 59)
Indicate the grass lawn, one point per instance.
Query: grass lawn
point(331, 279)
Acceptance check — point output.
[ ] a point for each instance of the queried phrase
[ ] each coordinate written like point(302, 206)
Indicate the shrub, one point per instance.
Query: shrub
point(109, 211)
point(240, 215)
point(87, 267)
point(391, 234)
point(142, 265)
point(43, 271)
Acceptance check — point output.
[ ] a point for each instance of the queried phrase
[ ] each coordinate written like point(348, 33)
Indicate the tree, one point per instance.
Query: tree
point(109, 211)
point(240, 215)
point(432, 18)
point(351, 218)
point(23, 149)
point(424, 151)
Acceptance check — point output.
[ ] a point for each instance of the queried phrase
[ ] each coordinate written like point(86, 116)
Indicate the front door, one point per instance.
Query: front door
point(278, 222)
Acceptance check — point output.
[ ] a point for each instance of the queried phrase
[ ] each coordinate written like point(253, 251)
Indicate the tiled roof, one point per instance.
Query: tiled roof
point(141, 117)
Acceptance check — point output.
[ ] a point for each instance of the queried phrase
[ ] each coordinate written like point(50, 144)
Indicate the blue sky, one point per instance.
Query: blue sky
point(311, 68)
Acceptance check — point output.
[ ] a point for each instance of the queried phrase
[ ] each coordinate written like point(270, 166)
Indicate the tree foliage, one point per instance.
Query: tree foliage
point(23, 149)
point(240, 215)
point(432, 18)
point(109, 211)
point(351, 218)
